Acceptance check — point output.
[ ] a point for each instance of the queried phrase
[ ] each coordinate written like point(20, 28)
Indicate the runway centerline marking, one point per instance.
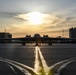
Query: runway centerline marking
point(40, 65)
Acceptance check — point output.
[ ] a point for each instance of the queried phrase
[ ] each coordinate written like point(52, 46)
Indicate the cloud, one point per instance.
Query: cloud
point(53, 24)
point(50, 20)
point(11, 15)
point(22, 30)
point(64, 16)
point(47, 18)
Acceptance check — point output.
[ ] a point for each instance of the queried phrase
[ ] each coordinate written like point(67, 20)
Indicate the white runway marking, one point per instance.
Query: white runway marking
point(40, 65)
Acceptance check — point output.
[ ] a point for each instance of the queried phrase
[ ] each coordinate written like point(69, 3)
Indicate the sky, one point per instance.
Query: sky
point(60, 15)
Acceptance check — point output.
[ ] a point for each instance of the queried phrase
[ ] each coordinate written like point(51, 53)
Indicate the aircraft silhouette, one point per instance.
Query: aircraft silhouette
point(37, 39)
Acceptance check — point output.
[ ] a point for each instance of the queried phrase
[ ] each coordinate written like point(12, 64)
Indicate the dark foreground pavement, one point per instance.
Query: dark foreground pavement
point(26, 55)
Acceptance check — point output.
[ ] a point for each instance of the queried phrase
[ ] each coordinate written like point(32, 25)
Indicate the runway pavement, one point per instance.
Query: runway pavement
point(58, 59)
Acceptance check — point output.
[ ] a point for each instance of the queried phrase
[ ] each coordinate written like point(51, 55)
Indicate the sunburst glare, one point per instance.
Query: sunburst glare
point(36, 18)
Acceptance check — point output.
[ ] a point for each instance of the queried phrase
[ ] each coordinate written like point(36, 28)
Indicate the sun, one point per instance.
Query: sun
point(36, 18)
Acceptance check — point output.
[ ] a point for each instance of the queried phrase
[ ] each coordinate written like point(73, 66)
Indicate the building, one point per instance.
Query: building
point(5, 35)
point(72, 32)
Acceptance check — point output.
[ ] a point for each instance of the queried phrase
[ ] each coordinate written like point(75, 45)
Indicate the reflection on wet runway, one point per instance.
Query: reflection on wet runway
point(40, 65)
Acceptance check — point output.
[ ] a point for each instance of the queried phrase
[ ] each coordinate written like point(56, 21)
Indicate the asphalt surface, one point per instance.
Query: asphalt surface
point(26, 55)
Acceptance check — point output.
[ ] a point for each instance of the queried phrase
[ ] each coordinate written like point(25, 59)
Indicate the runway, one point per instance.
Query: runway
point(58, 59)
